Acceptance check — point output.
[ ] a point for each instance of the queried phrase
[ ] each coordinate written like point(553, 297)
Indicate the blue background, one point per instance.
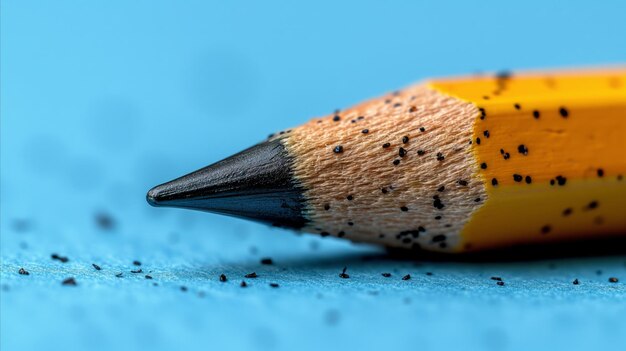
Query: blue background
point(100, 100)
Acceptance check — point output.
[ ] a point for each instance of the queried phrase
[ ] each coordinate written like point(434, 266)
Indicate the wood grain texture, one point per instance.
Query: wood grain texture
point(360, 194)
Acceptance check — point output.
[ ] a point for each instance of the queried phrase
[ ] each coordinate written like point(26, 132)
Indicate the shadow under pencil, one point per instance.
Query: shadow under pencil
point(557, 250)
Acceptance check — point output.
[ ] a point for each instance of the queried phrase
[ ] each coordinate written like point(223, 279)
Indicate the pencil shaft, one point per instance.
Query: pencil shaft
point(452, 165)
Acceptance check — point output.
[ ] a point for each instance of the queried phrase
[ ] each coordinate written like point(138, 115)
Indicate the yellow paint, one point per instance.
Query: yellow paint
point(591, 137)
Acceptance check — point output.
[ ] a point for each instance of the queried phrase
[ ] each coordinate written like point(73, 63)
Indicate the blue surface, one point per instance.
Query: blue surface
point(101, 100)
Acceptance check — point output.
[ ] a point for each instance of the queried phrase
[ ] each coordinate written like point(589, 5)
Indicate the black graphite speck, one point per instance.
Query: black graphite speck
point(563, 112)
point(350, 197)
point(326, 207)
point(483, 165)
point(61, 259)
point(404, 208)
point(429, 273)
point(438, 204)
point(503, 75)
point(496, 279)
point(528, 180)
point(575, 282)
point(136, 263)
point(405, 139)
point(401, 152)
point(422, 129)
point(148, 276)
point(613, 280)
point(500, 283)
point(561, 180)
point(69, 281)
point(336, 118)
point(351, 223)
point(536, 114)
point(518, 178)
point(21, 225)
point(482, 113)
point(421, 152)
point(506, 155)
point(478, 141)
point(384, 190)
point(22, 271)
point(183, 288)
point(441, 189)
point(365, 131)
point(412, 233)
point(119, 275)
point(546, 229)
point(104, 221)
point(592, 205)
point(439, 238)
point(267, 261)
point(386, 275)
point(338, 149)
point(522, 149)
point(486, 134)
point(274, 285)
point(440, 156)
point(462, 182)
point(137, 271)
point(568, 211)
point(494, 181)
point(396, 162)
point(600, 172)
point(223, 278)
point(386, 145)
point(517, 106)
point(96, 266)
point(243, 284)
point(438, 217)
point(343, 274)
point(406, 277)
point(251, 275)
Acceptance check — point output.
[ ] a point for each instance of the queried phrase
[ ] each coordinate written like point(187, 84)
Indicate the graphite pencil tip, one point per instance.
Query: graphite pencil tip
point(154, 196)
point(256, 184)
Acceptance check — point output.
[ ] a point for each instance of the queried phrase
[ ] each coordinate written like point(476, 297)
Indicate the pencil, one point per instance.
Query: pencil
point(453, 165)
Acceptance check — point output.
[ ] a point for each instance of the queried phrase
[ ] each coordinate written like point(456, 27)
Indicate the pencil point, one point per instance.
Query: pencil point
point(255, 184)
point(153, 197)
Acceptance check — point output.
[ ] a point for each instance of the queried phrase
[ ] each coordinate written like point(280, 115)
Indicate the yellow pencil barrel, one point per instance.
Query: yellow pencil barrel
point(553, 148)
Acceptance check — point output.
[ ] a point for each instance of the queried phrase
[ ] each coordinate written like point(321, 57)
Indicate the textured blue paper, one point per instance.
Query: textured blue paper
point(101, 100)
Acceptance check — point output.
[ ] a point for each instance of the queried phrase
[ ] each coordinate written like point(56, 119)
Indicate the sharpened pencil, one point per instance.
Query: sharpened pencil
point(456, 164)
